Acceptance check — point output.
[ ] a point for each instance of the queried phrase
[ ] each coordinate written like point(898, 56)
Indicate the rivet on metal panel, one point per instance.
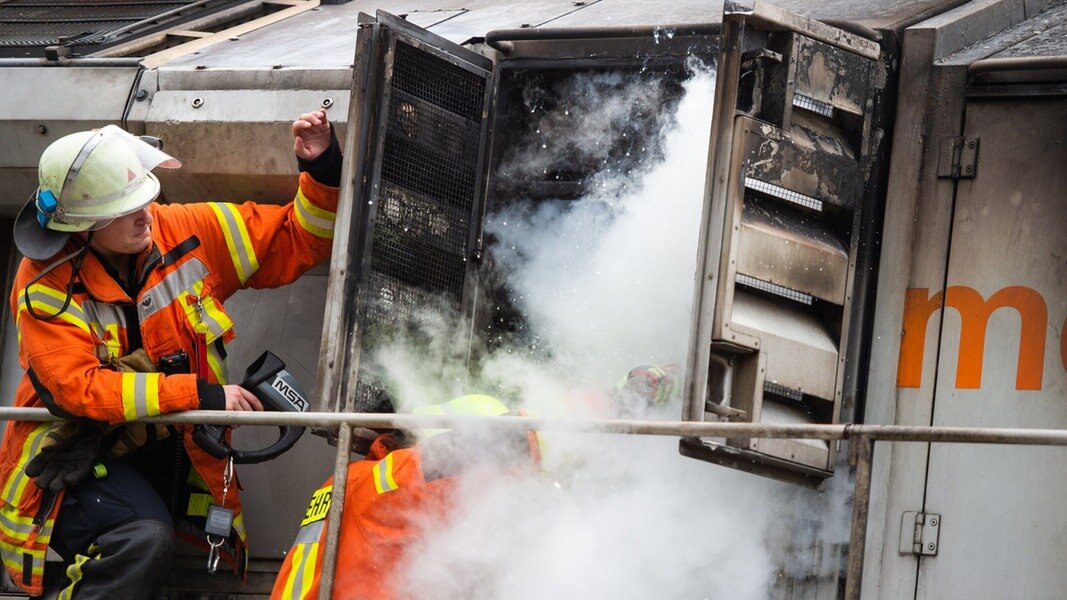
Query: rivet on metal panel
point(41, 129)
point(327, 102)
point(141, 95)
point(198, 102)
point(931, 547)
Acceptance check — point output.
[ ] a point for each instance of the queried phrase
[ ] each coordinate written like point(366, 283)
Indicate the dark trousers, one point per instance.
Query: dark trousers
point(115, 536)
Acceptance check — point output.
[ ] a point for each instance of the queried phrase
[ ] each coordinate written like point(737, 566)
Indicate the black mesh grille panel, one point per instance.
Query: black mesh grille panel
point(425, 202)
point(46, 22)
point(27, 27)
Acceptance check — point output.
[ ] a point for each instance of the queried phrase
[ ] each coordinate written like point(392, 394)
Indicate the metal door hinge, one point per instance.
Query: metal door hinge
point(959, 158)
point(919, 533)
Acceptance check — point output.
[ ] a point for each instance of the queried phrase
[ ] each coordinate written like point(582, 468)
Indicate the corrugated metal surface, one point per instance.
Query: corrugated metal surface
point(28, 26)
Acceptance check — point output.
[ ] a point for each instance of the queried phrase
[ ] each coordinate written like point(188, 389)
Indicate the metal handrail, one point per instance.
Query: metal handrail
point(863, 438)
point(888, 433)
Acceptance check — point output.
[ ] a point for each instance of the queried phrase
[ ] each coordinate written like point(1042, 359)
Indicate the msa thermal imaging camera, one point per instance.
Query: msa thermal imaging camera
point(277, 390)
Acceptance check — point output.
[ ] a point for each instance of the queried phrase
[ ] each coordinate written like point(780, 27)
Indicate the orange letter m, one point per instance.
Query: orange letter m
point(974, 317)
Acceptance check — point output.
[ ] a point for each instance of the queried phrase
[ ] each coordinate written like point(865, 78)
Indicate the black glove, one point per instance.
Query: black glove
point(67, 456)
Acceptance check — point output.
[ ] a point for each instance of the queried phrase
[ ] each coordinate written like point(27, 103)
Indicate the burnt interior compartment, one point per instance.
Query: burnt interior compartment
point(564, 127)
point(558, 133)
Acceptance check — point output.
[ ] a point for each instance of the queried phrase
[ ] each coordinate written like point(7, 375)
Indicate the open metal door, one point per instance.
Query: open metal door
point(788, 193)
point(409, 218)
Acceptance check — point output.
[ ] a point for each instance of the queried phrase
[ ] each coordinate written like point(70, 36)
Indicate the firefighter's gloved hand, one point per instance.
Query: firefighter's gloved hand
point(67, 456)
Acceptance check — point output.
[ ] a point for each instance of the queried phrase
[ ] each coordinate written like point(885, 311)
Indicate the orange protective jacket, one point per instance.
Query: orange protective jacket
point(201, 254)
point(384, 492)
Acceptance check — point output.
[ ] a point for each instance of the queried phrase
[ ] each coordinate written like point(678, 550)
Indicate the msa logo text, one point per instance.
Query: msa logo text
point(289, 393)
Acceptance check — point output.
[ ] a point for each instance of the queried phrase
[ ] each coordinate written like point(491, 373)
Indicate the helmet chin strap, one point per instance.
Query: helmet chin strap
point(77, 256)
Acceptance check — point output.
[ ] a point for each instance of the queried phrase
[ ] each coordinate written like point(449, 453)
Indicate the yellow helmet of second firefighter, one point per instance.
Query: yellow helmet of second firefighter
point(479, 405)
point(86, 180)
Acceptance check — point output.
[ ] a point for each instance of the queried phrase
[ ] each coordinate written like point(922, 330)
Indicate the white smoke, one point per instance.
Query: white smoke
point(605, 283)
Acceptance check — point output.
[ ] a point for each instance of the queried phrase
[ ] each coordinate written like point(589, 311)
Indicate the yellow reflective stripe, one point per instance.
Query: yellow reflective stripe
point(74, 572)
point(194, 479)
point(190, 274)
point(140, 395)
point(237, 240)
point(218, 321)
point(316, 221)
point(239, 526)
point(198, 505)
point(48, 301)
point(17, 479)
point(383, 475)
point(14, 525)
point(13, 559)
point(204, 311)
point(217, 364)
point(112, 341)
point(302, 570)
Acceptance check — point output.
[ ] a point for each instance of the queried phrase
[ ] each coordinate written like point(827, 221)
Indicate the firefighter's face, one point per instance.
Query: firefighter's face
point(130, 234)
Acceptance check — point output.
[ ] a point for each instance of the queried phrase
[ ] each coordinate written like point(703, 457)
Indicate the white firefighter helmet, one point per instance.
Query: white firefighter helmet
point(86, 180)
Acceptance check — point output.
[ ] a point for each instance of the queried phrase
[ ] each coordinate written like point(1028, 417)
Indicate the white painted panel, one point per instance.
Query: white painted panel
point(1003, 524)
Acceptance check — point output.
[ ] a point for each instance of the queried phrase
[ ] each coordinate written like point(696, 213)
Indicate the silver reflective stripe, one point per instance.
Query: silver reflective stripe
point(310, 533)
point(213, 326)
point(167, 291)
point(73, 310)
point(307, 212)
point(248, 264)
point(140, 393)
point(14, 526)
point(104, 314)
point(35, 440)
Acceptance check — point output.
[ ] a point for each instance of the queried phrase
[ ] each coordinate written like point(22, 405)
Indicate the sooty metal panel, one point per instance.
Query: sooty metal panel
point(788, 190)
point(413, 204)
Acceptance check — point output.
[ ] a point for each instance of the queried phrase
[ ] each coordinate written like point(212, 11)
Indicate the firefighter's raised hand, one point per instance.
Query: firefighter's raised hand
point(238, 398)
point(311, 135)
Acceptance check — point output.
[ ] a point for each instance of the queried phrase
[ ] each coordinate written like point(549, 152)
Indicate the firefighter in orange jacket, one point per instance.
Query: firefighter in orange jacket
point(388, 495)
point(118, 305)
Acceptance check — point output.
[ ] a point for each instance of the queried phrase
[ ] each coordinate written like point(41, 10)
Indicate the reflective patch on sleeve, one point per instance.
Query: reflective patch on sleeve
point(47, 300)
point(314, 220)
point(140, 395)
point(383, 476)
point(237, 240)
point(319, 506)
point(304, 560)
point(17, 479)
